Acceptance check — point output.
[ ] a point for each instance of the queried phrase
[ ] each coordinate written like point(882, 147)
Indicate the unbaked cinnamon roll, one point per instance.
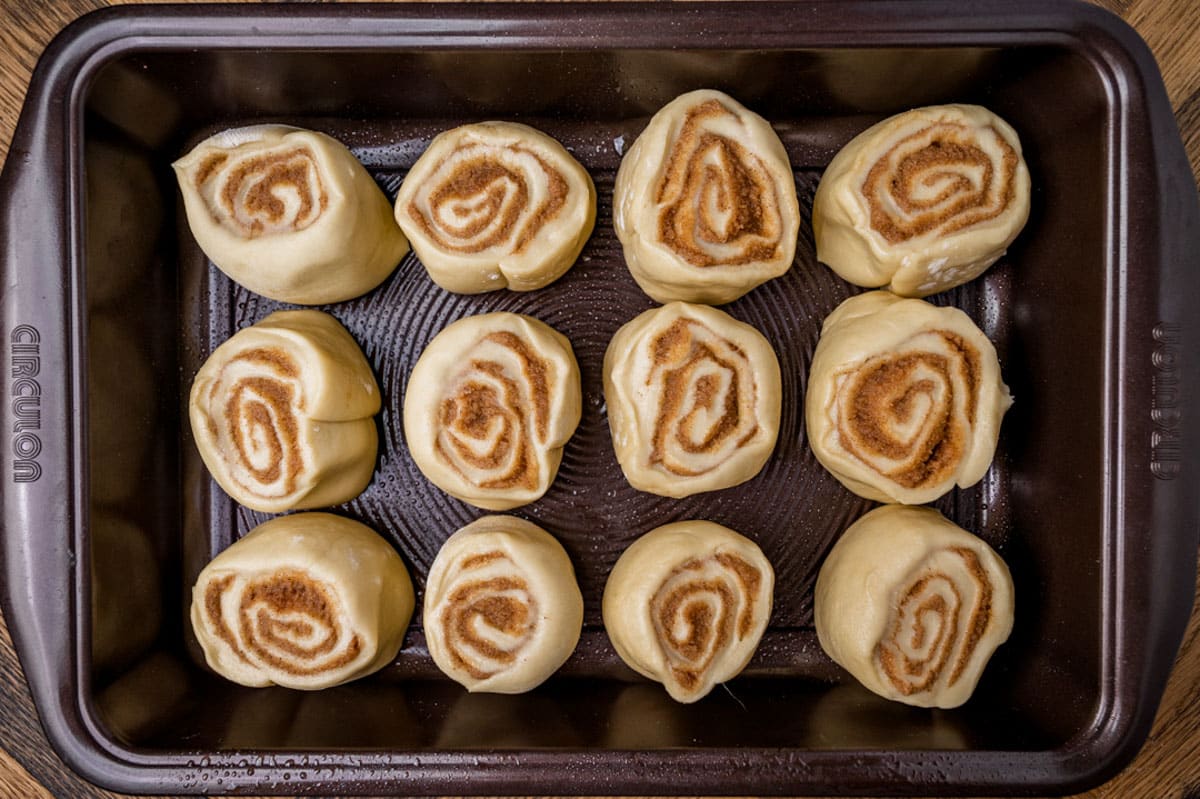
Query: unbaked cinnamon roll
point(496, 205)
point(687, 604)
point(282, 413)
point(913, 606)
point(705, 202)
point(304, 601)
point(290, 214)
point(923, 201)
point(502, 609)
point(904, 398)
point(693, 400)
point(489, 407)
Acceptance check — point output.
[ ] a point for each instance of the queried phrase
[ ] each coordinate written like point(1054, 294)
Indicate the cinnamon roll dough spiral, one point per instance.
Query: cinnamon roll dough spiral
point(904, 398)
point(687, 604)
point(496, 205)
point(913, 606)
point(289, 213)
point(693, 400)
point(502, 609)
point(282, 413)
point(489, 407)
point(705, 202)
point(923, 201)
point(305, 601)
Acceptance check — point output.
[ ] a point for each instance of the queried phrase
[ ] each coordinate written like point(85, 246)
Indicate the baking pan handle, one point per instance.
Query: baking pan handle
point(1164, 348)
point(37, 554)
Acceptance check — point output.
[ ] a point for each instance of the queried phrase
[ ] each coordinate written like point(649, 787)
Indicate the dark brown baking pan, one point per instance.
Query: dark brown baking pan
point(109, 307)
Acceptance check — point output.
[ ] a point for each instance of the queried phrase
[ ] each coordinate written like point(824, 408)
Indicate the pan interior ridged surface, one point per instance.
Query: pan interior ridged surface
point(794, 510)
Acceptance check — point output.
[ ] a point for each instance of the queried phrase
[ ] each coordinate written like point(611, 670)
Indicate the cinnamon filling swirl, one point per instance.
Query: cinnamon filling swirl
point(486, 197)
point(937, 623)
point(274, 192)
point(719, 203)
point(488, 621)
point(261, 397)
point(910, 415)
point(703, 607)
point(707, 391)
point(940, 180)
point(208, 168)
point(495, 420)
point(286, 620)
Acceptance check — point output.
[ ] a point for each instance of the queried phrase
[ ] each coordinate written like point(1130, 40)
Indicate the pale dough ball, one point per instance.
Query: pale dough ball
point(913, 606)
point(282, 413)
point(923, 201)
point(705, 202)
point(502, 609)
point(290, 214)
point(687, 604)
point(304, 601)
point(693, 400)
point(496, 205)
point(489, 407)
point(904, 398)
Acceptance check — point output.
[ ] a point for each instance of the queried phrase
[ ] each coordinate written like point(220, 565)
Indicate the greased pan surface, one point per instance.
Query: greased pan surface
point(109, 521)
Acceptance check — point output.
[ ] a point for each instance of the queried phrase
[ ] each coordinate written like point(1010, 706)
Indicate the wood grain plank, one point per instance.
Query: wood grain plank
point(16, 781)
point(26, 27)
point(22, 739)
point(1172, 29)
point(1168, 767)
point(1187, 114)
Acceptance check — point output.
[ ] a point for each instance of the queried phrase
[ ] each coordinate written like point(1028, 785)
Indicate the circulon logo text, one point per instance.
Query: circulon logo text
point(1166, 445)
point(26, 393)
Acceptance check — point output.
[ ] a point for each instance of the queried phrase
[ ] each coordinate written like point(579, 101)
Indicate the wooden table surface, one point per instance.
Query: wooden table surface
point(1167, 768)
